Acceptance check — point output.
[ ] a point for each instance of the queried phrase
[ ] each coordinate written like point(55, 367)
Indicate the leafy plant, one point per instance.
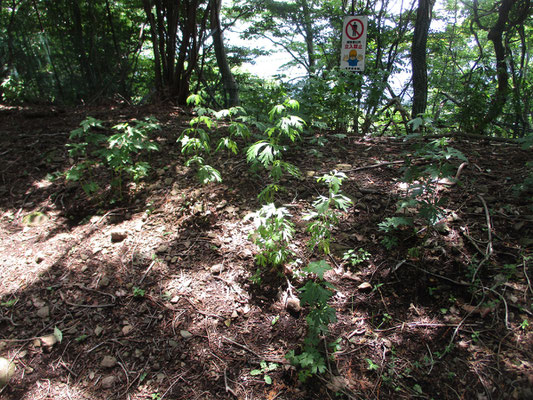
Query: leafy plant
point(264, 370)
point(116, 152)
point(372, 366)
point(316, 294)
point(356, 257)
point(422, 196)
point(273, 234)
point(138, 292)
point(196, 140)
point(325, 215)
point(268, 152)
point(9, 303)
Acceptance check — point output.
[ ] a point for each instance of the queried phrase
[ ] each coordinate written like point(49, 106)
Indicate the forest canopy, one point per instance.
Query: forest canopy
point(463, 65)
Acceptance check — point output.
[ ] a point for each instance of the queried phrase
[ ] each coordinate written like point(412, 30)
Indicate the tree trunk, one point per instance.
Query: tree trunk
point(231, 89)
point(496, 37)
point(153, 36)
point(418, 57)
point(309, 37)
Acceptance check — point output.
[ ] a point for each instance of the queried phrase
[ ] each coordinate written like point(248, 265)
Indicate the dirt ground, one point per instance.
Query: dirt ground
point(151, 295)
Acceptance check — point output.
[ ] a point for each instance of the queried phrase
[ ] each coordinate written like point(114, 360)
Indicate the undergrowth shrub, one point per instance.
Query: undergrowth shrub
point(196, 140)
point(283, 129)
point(92, 147)
point(428, 165)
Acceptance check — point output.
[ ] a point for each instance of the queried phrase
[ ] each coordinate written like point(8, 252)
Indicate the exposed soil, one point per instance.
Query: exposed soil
point(152, 293)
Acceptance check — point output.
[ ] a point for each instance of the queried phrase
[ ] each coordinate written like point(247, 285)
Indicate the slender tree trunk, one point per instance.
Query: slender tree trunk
point(496, 37)
point(147, 4)
point(309, 37)
point(79, 43)
point(418, 57)
point(231, 89)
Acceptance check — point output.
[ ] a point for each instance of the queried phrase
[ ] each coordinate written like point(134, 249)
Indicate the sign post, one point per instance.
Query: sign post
point(354, 43)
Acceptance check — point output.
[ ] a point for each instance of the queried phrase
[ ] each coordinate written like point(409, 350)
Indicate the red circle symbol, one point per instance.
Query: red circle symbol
point(354, 29)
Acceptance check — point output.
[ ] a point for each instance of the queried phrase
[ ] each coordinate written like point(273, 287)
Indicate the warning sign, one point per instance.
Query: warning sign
point(354, 43)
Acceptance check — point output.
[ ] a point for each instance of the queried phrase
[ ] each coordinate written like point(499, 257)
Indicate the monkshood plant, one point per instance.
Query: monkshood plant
point(118, 152)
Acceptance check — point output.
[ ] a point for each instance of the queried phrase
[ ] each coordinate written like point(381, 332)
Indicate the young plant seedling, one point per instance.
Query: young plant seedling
point(264, 370)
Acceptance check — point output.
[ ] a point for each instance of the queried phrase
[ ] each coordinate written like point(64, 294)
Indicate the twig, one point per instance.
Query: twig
point(437, 275)
point(228, 389)
point(242, 346)
point(379, 165)
point(462, 322)
point(431, 357)
point(200, 311)
point(62, 363)
point(506, 306)
point(171, 386)
point(418, 324)
point(147, 271)
point(89, 305)
point(525, 274)
point(489, 249)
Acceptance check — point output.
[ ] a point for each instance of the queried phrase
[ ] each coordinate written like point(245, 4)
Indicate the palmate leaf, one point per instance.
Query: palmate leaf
point(291, 126)
point(263, 151)
point(207, 174)
point(293, 104)
point(228, 144)
point(318, 268)
point(276, 110)
point(313, 293)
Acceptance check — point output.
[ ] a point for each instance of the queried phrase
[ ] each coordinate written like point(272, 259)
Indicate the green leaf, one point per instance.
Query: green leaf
point(58, 334)
point(195, 99)
point(256, 372)
point(318, 268)
point(268, 380)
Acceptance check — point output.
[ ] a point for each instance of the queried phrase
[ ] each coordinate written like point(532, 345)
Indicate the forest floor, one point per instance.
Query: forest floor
point(152, 297)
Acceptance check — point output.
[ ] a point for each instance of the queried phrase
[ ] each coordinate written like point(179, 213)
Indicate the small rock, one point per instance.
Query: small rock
point(217, 269)
point(175, 299)
point(7, 370)
point(293, 305)
point(160, 377)
point(39, 258)
point(98, 330)
point(162, 249)
point(109, 381)
point(169, 181)
point(43, 312)
point(127, 330)
point(108, 362)
point(234, 314)
point(104, 281)
point(48, 340)
point(173, 343)
point(185, 334)
point(118, 236)
point(365, 287)
point(337, 383)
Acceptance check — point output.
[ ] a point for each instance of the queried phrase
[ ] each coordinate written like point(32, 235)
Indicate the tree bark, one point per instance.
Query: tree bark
point(231, 89)
point(309, 36)
point(496, 37)
point(418, 57)
point(147, 4)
